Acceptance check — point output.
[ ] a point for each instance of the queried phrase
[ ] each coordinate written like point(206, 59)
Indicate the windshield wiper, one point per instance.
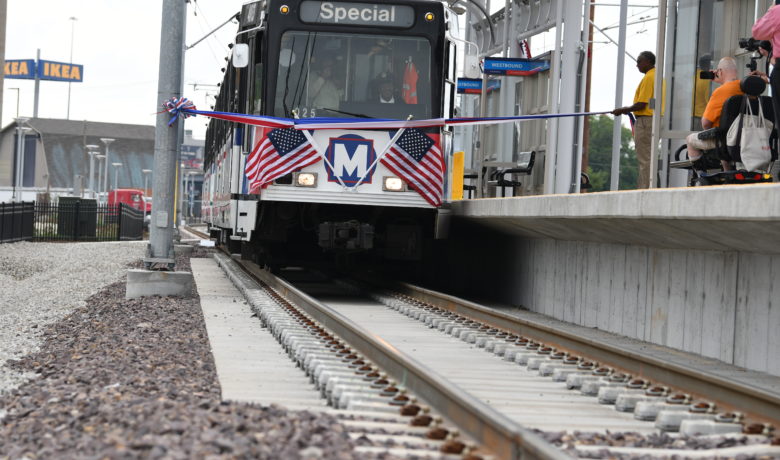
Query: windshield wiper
point(359, 115)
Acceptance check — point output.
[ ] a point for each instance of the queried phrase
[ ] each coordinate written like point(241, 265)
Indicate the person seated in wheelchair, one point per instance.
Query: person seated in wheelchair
point(726, 75)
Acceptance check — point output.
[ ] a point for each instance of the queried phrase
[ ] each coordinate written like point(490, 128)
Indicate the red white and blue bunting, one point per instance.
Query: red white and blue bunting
point(183, 108)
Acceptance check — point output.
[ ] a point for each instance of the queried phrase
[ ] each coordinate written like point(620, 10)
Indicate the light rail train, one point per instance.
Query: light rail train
point(281, 194)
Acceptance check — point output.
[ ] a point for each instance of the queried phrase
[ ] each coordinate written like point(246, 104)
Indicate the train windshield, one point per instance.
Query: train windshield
point(353, 76)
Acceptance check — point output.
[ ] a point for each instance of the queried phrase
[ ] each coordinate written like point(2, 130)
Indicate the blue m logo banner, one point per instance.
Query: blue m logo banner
point(351, 156)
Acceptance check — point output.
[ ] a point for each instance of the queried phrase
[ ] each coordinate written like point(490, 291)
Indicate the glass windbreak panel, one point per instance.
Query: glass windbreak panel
point(708, 53)
point(353, 76)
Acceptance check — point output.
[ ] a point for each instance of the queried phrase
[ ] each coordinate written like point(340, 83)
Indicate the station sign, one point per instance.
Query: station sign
point(357, 14)
point(516, 67)
point(474, 85)
point(23, 69)
point(27, 69)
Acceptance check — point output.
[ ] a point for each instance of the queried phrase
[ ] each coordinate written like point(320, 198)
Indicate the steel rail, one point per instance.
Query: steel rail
point(750, 400)
point(502, 436)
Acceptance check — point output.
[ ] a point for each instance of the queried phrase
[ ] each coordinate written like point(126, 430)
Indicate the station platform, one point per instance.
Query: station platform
point(693, 269)
point(730, 217)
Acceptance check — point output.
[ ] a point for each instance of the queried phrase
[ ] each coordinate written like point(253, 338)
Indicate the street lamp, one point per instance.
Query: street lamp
point(101, 179)
point(17, 100)
point(107, 141)
point(92, 150)
point(116, 179)
point(146, 188)
point(73, 20)
point(19, 167)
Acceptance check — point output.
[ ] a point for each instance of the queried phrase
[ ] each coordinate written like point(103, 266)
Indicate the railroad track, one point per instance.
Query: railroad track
point(431, 349)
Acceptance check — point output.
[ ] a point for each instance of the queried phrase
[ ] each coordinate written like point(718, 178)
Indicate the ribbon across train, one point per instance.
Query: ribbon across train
point(288, 145)
point(177, 109)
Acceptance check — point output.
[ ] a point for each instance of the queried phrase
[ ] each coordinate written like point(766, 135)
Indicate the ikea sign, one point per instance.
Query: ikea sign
point(19, 68)
point(28, 69)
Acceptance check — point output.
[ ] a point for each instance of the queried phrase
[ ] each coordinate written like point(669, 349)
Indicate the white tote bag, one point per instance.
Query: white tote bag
point(749, 136)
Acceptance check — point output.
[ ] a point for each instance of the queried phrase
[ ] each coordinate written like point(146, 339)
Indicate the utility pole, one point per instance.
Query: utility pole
point(166, 140)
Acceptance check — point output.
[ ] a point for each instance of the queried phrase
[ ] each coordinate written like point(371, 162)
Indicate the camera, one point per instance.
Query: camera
point(753, 45)
point(707, 75)
point(750, 44)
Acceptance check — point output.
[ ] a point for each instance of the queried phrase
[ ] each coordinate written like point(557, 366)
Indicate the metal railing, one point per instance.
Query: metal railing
point(131, 223)
point(85, 220)
point(16, 221)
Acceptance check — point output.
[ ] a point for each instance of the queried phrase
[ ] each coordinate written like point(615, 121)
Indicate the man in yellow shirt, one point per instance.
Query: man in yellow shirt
point(643, 128)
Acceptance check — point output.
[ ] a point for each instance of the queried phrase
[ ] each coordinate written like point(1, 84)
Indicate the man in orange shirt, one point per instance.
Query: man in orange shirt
point(726, 74)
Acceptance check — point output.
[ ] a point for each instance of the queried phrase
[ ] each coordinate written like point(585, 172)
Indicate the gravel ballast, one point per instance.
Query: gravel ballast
point(135, 378)
point(43, 282)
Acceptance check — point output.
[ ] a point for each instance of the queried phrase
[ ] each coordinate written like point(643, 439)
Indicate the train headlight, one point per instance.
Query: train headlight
point(393, 184)
point(429, 17)
point(284, 9)
point(305, 179)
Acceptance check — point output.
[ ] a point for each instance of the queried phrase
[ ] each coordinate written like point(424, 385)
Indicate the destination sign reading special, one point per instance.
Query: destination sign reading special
point(357, 14)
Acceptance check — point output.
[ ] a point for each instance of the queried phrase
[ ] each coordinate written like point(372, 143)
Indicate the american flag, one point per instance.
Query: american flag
point(417, 159)
point(280, 151)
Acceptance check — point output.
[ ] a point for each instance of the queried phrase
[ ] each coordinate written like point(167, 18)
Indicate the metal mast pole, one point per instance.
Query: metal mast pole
point(72, 29)
point(617, 128)
point(166, 140)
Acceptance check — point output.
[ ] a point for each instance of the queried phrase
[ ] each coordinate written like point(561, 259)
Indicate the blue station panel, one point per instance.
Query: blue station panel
point(474, 85)
point(514, 66)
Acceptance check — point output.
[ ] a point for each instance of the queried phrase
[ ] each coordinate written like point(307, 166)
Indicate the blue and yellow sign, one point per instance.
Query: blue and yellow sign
point(26, 69)
point(20, 68)
point(60, 71)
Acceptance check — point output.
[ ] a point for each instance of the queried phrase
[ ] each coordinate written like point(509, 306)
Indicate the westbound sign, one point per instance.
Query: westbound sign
point(474, 85)
point(26, 69)
point(517, 67)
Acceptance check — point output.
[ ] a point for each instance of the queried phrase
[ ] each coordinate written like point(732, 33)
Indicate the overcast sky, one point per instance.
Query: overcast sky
point(118, 43)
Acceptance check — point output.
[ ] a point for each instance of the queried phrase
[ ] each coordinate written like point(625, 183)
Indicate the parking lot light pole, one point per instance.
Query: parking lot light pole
point(107, 141)
point(21, 132)
point(92, 150)
point(100, 158)
point(116, 179)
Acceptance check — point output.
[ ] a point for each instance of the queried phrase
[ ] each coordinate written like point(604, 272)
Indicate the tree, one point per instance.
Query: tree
point(600, 155)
